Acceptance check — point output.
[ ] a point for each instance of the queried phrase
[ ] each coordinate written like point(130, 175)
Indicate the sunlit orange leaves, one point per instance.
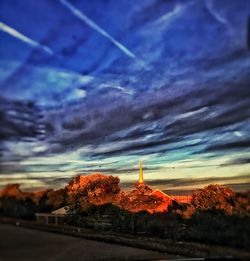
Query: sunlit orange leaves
point(95, 189)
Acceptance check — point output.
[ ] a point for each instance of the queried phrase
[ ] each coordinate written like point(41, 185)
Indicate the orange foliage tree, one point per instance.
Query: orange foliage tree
point(56, 198)
point(214, 197)
point(139, 199)
point(16, 203)
point(13, 190)
point(40, 197)
point(242, 204)
point(95, 189)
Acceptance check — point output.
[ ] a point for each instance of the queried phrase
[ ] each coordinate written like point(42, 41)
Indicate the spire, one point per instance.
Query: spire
point(141, 174)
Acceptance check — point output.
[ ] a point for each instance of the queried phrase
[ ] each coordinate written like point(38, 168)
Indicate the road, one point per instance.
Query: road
point(17, 243)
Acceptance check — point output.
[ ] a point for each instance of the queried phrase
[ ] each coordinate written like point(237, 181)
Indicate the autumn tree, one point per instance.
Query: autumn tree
point(16, 203)
point(56, 198)
point(40, 198)
point(13, 190)
point(141, 189)
point(214, 197)
point(139, 199)
point(242, 204)
point(95, 189)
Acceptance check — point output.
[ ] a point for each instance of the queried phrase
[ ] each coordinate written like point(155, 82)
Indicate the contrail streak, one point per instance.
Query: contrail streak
point(96, 27)
point(9, 30)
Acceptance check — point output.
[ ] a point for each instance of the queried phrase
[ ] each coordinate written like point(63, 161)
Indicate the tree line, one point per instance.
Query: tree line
point(216, 214)
point(79, 194)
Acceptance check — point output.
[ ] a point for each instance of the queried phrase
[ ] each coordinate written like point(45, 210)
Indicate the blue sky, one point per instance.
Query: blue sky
point(96, 86)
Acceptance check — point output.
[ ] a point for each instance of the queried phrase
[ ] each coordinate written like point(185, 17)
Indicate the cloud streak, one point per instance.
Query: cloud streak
point(237, 161)
point(214, 13)
point(11, 31)
point(184, 182)
point(97, 28)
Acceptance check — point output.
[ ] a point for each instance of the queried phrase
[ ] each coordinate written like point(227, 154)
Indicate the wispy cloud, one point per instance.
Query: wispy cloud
point(237, 161)
point(232, 145)
point(200, 182)
point(11, 31)
point(214, 13)
point(97, 28)
point(166, 19)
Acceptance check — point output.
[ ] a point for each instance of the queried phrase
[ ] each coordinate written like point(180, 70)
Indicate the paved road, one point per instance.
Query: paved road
point(18, 243)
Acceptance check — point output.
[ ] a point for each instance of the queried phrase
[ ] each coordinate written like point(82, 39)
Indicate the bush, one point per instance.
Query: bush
point(218, 228)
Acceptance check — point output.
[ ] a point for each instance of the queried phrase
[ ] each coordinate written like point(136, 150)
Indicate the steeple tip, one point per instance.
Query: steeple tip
point(141, 174)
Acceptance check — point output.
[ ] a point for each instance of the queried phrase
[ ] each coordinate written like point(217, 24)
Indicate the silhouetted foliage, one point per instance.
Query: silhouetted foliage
point(40, 198)
point(216, 214)
point(139, 199)
point(218, 228)
point(15, 203)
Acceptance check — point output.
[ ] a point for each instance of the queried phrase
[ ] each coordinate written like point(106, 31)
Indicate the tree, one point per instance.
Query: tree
point(141, 189)
point(56, 198)
point(242, 204)
point(214, 197)
point(40, 198)
point(95, 189)
point(139, 199)
point(13, 190)
point(16, 203)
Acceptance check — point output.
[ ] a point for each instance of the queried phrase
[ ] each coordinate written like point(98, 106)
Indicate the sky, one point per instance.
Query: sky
point(96, 86)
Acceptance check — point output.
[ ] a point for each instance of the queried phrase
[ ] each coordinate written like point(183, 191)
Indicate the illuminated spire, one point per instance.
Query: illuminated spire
point(141, 174)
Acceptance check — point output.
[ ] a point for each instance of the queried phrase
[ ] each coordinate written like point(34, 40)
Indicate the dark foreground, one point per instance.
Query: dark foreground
point(25, 244)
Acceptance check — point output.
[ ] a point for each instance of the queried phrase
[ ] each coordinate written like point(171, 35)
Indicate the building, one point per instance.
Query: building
point(167, 201)
point(183, 199)
point(56, 217)
point(141, 181)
